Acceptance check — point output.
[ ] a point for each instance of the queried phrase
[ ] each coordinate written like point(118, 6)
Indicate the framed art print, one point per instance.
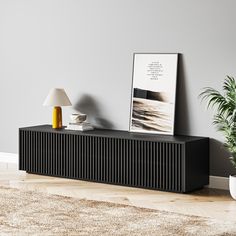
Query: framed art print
point(153, 93)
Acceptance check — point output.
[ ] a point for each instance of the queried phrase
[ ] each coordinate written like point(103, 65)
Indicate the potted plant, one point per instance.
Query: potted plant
point(225, 119)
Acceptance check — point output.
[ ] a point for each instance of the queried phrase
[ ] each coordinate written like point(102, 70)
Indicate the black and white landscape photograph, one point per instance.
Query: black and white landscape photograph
point(153, 93)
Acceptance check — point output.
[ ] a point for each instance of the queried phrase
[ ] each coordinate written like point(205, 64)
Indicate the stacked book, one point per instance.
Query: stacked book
point(78, 122)
point(83, 126)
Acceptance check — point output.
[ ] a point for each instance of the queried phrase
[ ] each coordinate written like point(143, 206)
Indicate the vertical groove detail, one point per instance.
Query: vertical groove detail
point(131, 162)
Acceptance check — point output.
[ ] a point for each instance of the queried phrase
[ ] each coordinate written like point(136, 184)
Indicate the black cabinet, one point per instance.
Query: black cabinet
point(170, 163)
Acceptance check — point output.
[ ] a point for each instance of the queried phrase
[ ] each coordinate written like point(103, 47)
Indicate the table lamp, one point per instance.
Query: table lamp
point(57, 97)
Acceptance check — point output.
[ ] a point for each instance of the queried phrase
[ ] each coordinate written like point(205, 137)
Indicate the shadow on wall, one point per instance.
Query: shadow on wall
point(220, 164)
point(181, 110)
point(88, 105)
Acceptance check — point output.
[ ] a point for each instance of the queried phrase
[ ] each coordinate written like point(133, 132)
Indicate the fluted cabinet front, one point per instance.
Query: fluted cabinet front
point(131, 162)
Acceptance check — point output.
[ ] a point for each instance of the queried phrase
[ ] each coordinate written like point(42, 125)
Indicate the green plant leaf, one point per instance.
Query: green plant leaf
point(225, 117)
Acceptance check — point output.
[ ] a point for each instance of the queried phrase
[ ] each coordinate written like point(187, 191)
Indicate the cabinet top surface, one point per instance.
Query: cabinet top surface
point(116, 134)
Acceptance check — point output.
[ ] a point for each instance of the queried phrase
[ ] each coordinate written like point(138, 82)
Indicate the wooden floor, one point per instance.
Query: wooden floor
point(206, 202)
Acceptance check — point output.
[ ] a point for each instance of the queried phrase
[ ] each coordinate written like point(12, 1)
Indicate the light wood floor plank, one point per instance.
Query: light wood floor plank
point(207, 202)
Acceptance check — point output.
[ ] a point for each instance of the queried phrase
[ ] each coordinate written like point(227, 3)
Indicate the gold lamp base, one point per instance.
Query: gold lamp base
point(57, 118)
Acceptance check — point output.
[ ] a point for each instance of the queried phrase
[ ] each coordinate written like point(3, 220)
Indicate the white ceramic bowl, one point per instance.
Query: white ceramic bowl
point(78, 117)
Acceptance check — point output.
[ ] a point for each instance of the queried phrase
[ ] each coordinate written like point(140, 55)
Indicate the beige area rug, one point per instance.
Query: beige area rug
point(34, 213)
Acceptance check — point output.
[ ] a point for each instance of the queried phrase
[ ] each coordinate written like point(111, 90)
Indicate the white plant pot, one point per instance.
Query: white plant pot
point(232, 186)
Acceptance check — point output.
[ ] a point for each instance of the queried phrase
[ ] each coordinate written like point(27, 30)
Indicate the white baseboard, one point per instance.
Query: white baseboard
point(9, 157)
point(219, 182)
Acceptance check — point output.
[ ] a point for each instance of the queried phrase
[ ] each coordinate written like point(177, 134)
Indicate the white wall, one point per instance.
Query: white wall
point(86, 46)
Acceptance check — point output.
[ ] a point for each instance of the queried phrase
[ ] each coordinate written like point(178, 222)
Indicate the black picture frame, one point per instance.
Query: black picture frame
point(153, 95)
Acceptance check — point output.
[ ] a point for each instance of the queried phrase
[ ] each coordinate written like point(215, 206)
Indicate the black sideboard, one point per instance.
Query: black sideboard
point(170, 163)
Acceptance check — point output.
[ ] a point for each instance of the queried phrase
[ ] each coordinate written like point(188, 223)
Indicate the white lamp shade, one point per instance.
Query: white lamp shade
point(57, 97)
